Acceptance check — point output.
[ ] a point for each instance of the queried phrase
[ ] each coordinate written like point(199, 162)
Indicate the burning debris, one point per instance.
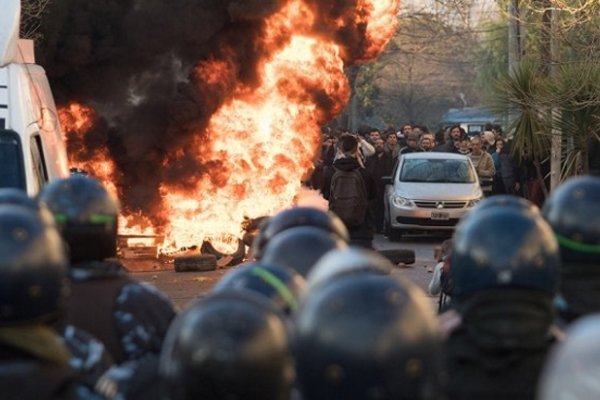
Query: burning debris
point(200, 116)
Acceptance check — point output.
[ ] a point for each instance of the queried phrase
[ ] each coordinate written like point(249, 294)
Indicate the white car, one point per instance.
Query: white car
point(429, 191)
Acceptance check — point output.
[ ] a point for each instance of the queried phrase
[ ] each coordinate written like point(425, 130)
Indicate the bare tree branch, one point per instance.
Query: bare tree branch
point(32, 12)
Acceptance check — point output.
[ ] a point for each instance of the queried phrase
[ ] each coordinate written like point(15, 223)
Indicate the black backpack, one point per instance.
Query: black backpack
point(348, 197)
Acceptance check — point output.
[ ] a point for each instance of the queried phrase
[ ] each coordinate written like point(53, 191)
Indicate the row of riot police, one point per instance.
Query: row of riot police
point(310, 318)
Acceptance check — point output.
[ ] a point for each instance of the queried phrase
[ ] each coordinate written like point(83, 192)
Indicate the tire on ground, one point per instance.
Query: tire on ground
point(201, 262)
point(396, 256)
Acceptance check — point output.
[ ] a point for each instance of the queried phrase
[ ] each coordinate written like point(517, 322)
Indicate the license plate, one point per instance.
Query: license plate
point(440, 215)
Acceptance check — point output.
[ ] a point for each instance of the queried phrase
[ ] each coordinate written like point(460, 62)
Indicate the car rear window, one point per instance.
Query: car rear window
point(12, 173)
point(437, 171)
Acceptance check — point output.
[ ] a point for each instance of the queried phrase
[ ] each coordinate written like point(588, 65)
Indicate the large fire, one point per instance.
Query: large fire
point(267, 136)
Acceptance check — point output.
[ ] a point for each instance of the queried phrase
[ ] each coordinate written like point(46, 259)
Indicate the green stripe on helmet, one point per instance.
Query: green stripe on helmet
point(60, 218)
point(281, 288)
point(102, 219)
point(578, 246)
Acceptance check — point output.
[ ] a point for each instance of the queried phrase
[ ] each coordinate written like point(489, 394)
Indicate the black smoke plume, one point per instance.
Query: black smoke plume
point(133, 61)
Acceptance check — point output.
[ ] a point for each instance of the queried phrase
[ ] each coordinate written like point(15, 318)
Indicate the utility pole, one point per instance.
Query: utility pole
point(548, 53)
point(514, 36)
point(514, 45)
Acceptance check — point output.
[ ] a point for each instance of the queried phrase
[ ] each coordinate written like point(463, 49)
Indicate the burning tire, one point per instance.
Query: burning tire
point(252, 229)
point(236, 257)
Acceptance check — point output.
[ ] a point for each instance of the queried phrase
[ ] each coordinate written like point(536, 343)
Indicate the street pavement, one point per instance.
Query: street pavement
point(184, 287)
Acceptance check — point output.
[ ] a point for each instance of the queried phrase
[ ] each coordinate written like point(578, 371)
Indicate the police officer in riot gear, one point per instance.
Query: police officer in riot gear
point(366, 335)
point(88, 355)
point(573, 212)
point(505, 273)
point(130, 318)
point(34, 361)
point(295, 217)
point(230, 345)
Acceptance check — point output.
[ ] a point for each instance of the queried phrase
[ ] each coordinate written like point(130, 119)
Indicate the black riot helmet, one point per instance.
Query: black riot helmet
point(571, 370)
point(504, 248)
point(367, 336)
point(350, 260)
point(33, 275)
point(231, 345)
point(17, 197)
point(283, 286)
point(295, 217)
point(300, 248)
point(86, 215)
point(573, 212)
point(20, 198)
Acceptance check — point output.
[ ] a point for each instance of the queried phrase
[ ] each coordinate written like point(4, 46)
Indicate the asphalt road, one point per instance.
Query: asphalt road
point(184, 287)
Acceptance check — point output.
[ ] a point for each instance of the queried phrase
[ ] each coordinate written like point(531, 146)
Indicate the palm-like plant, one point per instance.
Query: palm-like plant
point(568, 101)
point(576, 94)
point(522, 93)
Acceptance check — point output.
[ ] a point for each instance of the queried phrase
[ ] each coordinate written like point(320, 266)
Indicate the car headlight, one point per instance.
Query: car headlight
point(402, 202)
point(473, 202)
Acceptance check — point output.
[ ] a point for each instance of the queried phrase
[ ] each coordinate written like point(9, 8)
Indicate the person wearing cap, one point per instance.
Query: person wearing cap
point(412, 144)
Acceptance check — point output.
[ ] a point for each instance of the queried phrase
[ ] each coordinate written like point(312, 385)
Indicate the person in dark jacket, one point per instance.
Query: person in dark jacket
point(360, 234)
point(573, 212)
point(505, 272)
point(34, 360)
point(88, 355)
point(594, 156)
point(378, 165)
point(452, 145)
point(130, 318)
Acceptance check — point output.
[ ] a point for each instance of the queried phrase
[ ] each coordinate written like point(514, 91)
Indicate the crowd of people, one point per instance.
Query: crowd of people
point(500, 172)
point(311, 316)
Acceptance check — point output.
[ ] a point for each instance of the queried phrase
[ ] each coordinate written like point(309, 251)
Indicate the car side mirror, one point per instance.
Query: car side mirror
point(386, 180)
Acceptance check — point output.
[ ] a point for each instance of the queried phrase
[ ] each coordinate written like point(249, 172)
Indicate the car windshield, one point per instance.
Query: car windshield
point(437, 171)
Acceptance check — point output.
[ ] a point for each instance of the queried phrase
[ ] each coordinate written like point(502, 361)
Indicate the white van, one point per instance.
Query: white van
point(32, 148)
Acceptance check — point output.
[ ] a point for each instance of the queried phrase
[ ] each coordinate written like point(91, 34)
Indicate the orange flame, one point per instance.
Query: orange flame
point(76, 120)
point(266, 137)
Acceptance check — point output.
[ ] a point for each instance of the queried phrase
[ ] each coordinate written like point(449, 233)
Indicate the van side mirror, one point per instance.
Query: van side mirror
point(386, 180)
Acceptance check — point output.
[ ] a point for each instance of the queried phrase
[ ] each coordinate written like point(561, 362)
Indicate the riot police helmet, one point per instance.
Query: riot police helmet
point(300, 248)
point(86, 215)
point(283, 286)
point(573, 212)
point(367, 336)
point(33, 275)
point(504, 248)
point(350, 260)
point(504, 200)
point(295, 217)
point(20, 198)
point(230, 345)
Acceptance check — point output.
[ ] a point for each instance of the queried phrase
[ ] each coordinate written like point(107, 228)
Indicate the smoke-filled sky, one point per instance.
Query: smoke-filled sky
point(132, 60)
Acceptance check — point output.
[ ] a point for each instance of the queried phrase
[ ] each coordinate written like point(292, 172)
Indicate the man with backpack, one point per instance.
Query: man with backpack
point(349, 188)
